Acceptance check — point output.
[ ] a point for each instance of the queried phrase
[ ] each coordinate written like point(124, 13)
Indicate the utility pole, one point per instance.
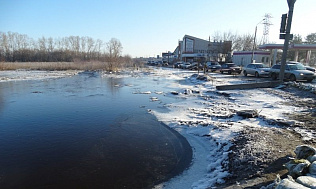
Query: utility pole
point(254, 42)
point(286, 36)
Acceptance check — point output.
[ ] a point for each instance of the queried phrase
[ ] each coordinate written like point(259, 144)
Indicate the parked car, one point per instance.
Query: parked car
point(293, 72)
point(213, 66)
point(151, 62)
point(230, 68)
point(178, 64)
point(196, 66)
point(185, 65)
point(256, 69)
point(165, 64)
point(307, 67)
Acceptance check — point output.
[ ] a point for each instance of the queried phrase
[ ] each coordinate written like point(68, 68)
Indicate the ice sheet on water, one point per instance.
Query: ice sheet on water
point(18, 75)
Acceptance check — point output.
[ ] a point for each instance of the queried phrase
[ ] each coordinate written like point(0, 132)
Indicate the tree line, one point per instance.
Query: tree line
point(15, 47)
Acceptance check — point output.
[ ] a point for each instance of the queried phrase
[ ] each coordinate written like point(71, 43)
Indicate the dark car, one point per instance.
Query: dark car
point(213, 66)
point(230, 68)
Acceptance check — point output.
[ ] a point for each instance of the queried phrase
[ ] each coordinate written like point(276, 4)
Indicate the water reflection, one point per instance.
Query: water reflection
point(114, 84)
point(1, 100)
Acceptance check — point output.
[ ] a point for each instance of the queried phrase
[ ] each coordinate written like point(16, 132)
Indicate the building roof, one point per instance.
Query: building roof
point(189, 36)
point(250, 52)
point(291, 46)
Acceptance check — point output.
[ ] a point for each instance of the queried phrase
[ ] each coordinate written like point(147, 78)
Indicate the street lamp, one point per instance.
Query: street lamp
point(254, 41)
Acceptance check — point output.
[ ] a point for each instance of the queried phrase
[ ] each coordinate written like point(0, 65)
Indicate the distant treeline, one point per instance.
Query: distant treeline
point(15, 47)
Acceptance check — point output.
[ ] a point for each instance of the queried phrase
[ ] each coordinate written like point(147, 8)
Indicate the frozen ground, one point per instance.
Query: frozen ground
point(224, 144)
point(221, 140)
point(207, 118)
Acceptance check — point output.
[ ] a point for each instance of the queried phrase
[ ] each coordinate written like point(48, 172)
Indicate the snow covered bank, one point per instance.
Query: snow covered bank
point(304, 86)
point(207, 118)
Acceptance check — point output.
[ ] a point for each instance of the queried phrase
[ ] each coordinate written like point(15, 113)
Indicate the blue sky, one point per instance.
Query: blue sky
point(150, 27)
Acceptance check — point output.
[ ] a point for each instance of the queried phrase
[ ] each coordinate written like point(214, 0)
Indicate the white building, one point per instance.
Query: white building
point(243, 58)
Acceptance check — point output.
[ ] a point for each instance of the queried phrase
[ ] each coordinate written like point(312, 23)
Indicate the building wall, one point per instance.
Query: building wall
point(192, 49)
point(243, 58)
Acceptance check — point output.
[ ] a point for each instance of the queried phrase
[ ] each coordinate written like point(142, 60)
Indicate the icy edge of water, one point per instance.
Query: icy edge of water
point(22, 75)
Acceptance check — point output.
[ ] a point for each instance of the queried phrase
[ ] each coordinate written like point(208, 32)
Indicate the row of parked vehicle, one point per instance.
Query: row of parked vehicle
point(157, 63)
point(293, 70)
point(209, 66)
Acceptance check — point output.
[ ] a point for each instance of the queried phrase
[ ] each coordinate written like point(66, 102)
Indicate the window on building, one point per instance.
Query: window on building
point(267, 59)
point(262, 59)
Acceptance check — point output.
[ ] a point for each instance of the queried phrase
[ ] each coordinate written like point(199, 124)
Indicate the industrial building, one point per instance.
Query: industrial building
point(193, 49)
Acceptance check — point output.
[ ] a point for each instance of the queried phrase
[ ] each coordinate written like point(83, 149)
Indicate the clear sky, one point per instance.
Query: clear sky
point(150, 27)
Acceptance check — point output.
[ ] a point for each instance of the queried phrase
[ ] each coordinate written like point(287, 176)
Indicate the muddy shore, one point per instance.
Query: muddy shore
point(258, 154)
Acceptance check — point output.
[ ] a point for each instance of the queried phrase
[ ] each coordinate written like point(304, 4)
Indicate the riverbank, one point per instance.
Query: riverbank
point(257, 147)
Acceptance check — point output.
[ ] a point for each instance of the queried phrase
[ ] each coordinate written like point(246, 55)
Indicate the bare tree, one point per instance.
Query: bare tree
point(50, 44)
point(19, 47)
point(4, 49)
point(59, 44)
point(83, 45)
point(114, 50)
point(224, 36)
point(98, 47)
point(243, 43)
point(90, 46)
point(239, 42)
point(74, 44)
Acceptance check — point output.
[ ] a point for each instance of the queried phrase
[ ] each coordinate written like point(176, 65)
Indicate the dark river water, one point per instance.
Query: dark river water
point(87, 131)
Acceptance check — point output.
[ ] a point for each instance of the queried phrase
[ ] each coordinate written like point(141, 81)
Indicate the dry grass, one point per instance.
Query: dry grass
point(53, 65)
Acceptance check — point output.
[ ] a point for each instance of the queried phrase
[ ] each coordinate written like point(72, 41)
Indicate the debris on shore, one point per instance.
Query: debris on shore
point(301, 170)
